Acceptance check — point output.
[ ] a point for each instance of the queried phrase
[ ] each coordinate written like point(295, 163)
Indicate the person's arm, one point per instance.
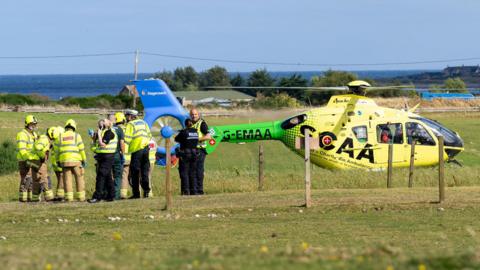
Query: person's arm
point(121, 139)
point(81, 147)
point(206, 134)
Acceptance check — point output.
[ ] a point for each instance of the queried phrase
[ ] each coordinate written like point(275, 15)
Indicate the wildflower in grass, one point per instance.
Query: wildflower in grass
point(263, 249)
point(390, 267)
point(48, 266)
point(117, 236)
point(304, 246)
point(422, 267)
point(360, 259)
point(196, 263)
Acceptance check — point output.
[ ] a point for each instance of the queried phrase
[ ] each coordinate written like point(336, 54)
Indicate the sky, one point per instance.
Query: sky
point(288, 31)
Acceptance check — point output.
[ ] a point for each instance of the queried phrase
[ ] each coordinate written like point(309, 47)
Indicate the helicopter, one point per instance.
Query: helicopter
point(353, 131)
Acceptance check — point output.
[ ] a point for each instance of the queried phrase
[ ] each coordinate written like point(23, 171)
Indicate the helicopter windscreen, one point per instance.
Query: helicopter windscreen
point(294, 121)
point(450, 137)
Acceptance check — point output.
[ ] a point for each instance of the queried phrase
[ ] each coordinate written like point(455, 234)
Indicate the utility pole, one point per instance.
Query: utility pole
point(135, 75)
point(136, 65)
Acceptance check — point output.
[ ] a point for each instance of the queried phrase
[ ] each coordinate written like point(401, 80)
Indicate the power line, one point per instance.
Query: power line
point(234, 61)
point(67, 56)
point(309, 64)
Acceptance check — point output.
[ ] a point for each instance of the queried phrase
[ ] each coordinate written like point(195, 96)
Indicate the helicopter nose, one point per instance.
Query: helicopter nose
point(454, 147)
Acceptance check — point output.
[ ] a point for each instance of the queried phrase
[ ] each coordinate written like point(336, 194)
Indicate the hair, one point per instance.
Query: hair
point(188, 122)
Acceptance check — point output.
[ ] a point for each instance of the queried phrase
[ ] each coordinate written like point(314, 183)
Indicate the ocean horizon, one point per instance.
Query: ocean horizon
point(57, 86)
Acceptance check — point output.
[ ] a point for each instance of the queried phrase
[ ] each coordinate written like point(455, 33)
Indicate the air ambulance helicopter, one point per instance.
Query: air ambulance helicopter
point(353, 131)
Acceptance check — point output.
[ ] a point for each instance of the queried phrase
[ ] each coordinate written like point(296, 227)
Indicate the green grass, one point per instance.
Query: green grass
point(351, 229)
point(354, 224)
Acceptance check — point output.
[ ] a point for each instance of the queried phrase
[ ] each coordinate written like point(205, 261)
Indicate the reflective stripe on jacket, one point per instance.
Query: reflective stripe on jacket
point(198, 126)
point(42, 146)
point(69, 147)
point(137, 135)
point(25, 142)
point(111, 147)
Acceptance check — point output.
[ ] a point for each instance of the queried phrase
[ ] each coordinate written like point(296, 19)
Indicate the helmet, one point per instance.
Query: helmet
point(119, 117)
point(54, 132)
point(30, 119)
point(131, 112)
point(358, 83)
point(51, 132)
point(71, 123)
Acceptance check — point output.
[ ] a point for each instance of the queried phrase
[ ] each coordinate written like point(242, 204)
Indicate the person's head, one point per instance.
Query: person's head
point(188, 123)
point(107, 123)
point(131, 114)
point(31, 122)
point(120, 118)
point(71, 124)
point(194, 115)
point(111, 118)
point(101, 124)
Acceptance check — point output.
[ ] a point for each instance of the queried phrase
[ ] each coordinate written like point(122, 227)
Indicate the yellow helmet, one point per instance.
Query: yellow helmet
point(30, 119)
point(54, 132)
point(71, 123)
point(119, 117)
point(358, 83)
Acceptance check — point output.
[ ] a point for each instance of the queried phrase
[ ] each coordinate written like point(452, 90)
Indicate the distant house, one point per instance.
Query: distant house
point(129, 90)
point(224, 98)
point(462, 71)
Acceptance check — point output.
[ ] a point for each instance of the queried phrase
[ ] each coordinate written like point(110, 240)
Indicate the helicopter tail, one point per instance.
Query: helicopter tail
point(244, 133)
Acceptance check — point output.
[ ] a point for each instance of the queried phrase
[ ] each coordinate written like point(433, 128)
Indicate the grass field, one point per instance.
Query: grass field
point(354, 224)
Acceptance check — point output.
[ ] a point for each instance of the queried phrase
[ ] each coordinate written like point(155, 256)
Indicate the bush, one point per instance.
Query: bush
point(17, 99)
point(101, 101)
point(8, 161)
point(276, 101)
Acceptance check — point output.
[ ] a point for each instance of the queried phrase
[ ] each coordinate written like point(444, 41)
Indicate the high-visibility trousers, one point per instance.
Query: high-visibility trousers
point(73, 170)
point(125, 182)
point(40, 181)
point(25, 189)
point(60, 186)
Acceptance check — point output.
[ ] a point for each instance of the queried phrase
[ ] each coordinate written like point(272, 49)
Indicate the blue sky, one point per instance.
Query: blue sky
point(297, 31)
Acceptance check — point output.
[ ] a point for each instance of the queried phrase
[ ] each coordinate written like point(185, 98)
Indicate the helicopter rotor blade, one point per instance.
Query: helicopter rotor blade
point(339, 88)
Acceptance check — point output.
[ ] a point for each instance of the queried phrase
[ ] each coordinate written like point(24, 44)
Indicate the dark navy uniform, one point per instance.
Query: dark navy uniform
point(188, 154)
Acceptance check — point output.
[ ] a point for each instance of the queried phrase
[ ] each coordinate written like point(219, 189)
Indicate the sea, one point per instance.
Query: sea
point(79, 85)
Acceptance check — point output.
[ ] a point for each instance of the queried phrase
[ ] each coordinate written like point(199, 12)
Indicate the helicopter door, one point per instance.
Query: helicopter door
point(426, 152)
point(389, 133)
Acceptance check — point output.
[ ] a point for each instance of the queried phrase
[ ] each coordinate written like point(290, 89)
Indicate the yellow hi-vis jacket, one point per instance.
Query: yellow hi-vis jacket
point(69, 147)
point(126, 155)
point(137, 135)
point(25, 142)
point(152, 152)
point(110, 148)
point(42, 146)
point(197, 126)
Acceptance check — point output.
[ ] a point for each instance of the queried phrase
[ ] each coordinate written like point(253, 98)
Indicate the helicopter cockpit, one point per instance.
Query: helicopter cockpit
point(451, 139)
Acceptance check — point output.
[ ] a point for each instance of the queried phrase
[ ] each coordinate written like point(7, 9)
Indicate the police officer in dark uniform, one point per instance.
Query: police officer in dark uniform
point(203, 137)
point(188, 152)
point(106, 143)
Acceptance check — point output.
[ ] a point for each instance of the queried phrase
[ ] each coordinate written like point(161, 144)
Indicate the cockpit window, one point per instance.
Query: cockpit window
point(417, 132)
point(450, 137)
point(390, 133)
point(360, 133)
point(294, 121)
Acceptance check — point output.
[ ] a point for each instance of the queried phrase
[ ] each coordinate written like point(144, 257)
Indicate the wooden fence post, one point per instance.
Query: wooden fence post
point(390, 165)
point(441, 171)
point(308, 184)
point(261, 176)
point(412, 163)
point(168, 183)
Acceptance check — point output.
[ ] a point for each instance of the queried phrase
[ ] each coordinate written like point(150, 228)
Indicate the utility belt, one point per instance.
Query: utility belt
point(187, 153)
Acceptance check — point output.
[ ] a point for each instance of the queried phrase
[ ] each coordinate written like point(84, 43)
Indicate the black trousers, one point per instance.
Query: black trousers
point(139, 168)
point(187, 169)
point(104, 186)
point(200, 169)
